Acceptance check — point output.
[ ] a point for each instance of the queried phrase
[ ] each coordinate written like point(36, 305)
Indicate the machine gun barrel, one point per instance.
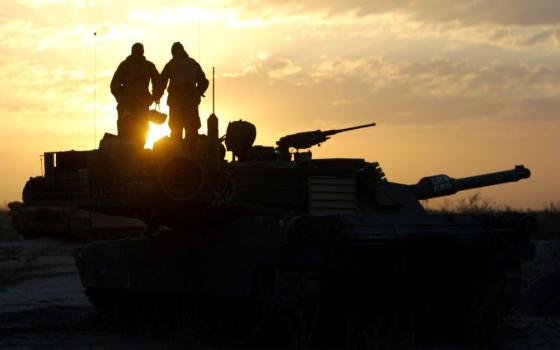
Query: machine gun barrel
point(443, 185)
point(336, 131)
point(309, 139)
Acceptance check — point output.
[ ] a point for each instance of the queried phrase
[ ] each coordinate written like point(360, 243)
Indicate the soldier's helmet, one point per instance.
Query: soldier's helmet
point(137, 49)
point(177, 48)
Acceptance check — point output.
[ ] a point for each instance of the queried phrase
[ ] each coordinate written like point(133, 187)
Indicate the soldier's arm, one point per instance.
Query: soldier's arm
point(154, 77)
point(161, 83)
point(201, 81)
point(117, 82)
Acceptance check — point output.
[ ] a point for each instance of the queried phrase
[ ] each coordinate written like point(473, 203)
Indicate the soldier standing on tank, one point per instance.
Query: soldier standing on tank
point(130, 87)
point(187, 84)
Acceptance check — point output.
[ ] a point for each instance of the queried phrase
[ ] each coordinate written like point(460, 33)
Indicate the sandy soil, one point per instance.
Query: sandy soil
point(42, 305)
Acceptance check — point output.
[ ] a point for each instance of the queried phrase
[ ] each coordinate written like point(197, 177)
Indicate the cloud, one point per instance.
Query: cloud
point(25, 36)
point(413, 92)
point(511, 24)
point(471, 22)
point(437, 78)
point(45, 97)
point(508, 24)
point(184, 13)
point(510, 12)
point(283, 68)
point(467, 12)
point(78, 3)
point(494, 35)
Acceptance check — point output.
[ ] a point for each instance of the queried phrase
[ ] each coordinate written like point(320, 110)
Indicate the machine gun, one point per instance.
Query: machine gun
point(308, 139)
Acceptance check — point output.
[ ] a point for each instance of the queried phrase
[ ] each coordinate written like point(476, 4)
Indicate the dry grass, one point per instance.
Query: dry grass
point(549, 222)
point(548, 217)
point(474, 204)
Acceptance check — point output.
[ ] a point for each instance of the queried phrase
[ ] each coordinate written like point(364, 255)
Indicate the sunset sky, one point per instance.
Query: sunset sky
point(455, 87)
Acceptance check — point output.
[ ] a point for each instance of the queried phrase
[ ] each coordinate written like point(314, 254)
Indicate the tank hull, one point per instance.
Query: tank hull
point(336, 264)
point(72, 223)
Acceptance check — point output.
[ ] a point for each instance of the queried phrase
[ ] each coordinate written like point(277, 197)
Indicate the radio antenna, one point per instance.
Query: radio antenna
point(199, 51)
point(213, 91)
point(94, 89)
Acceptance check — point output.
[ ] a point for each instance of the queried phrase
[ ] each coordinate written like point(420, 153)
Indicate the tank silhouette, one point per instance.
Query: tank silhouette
point(50, 205)
point(279, 245)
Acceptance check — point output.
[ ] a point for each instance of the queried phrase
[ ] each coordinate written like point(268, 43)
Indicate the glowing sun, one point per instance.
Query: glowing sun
point(155, 133)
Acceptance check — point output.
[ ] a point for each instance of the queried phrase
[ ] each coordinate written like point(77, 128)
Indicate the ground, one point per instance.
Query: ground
point(43, 306)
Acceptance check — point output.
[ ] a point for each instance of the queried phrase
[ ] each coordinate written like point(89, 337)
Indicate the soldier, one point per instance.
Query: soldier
point(187, 84)
point(130, 87)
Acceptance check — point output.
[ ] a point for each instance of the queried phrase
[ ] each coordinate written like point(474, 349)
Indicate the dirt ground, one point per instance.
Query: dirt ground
point(42, 304)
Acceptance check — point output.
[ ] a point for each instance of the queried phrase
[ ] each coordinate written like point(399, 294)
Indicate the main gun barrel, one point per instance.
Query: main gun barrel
point(443, 185)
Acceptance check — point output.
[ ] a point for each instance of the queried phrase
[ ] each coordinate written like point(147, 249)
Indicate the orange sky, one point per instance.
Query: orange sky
point(456, 87)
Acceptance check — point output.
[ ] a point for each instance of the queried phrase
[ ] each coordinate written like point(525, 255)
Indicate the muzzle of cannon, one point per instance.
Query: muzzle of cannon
point(443, 185)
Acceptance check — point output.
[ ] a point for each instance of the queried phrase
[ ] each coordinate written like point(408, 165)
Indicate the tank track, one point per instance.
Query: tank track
point(470, 312)
point(283, 316)
point(288, 308)
point(501, 291)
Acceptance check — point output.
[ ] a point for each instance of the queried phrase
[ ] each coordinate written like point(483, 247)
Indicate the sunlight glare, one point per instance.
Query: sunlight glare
point(155, 133)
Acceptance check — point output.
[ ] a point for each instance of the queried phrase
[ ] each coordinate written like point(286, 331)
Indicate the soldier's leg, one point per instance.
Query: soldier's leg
point(141, 129)
point(139, 125)
point(192, 124)
point(120, 120)
point(176, 122)
point(125, 126)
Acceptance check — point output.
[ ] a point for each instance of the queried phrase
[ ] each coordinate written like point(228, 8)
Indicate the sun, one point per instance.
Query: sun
point(155, 133)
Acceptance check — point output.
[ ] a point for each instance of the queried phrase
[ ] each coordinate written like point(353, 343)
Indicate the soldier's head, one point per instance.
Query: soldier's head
point(137, 49)
point(177, 49)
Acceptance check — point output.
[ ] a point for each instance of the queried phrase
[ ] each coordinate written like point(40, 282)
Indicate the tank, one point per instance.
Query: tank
point(51, 203)
point(277, 246)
